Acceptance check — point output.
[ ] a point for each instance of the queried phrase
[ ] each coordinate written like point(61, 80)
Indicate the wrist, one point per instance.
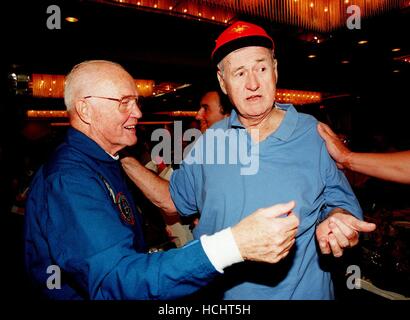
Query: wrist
point(127, 160)
point(337, 211)
point(221, 249)
point(348, 160)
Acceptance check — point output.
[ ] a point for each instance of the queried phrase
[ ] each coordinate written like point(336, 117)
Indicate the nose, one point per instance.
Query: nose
point(200, 114)
point(252, 81)
point(136, 112)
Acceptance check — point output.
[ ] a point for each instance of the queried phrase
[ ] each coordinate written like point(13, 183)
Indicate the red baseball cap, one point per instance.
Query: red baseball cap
point(238, 35)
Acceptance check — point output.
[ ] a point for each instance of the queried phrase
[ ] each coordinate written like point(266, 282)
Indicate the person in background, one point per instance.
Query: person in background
point(211, 110)
point(392, 166)
point(83, 237)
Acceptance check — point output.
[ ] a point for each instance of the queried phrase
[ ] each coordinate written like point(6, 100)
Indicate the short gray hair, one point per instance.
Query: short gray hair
point(76, 79)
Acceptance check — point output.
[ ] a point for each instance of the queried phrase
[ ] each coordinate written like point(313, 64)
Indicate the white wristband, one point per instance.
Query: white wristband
point(221, 249)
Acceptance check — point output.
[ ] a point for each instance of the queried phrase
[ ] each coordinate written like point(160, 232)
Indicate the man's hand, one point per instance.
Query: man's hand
point(336, 148)
point(339, 231)
point(264, 235)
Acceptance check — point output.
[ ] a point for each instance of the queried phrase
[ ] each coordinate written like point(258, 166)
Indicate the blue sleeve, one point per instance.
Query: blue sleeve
point(186, 182)
point(337, 191)
point(89, 242)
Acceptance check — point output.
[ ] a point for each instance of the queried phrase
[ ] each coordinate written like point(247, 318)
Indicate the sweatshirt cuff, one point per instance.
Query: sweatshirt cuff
point(221, 249)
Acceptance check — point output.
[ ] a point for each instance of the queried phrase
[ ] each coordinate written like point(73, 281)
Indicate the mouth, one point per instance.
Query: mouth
point(253, 98)
point(130, 127)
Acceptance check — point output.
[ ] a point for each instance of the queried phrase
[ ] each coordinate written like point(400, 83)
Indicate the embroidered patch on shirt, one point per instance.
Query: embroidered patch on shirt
point(125, 209)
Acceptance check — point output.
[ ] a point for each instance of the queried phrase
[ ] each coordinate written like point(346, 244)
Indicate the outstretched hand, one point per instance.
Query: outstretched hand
point(340, 231)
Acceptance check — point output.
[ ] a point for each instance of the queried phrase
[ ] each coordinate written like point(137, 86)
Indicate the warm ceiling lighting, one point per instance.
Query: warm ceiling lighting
point(44, 114)
point(363, 42)
point(297, 96)
point(318, 15)
point(178, 113)
point(345, 61)
point(47, 85)
point(52, 86)
point(395, 49)
point(311, 56)
point(396, 71)
point(71, 19)
point(405, 59)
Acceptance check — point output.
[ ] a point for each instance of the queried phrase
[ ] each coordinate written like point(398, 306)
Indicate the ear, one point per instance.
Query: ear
point(275, 69)
point(221, 81)
point(83, 110)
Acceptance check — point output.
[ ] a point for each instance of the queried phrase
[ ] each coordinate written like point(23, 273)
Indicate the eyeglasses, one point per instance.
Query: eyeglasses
point(125, 103)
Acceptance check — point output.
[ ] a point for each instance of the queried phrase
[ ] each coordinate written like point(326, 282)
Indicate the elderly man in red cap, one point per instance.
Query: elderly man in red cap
point(292, 164)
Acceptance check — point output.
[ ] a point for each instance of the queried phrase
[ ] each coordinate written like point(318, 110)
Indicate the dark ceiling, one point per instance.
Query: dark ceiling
point(169, 48)
point(158, 46)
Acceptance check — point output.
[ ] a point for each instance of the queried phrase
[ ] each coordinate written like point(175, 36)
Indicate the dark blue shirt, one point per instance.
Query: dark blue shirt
point(80, 217)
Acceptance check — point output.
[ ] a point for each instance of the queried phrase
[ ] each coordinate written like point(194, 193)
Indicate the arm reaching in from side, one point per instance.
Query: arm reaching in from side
point(155, 188)
point(393, 166)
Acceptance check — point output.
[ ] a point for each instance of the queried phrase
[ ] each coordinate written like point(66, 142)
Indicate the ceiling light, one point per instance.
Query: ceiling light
point(71, 19)
point(362, 42)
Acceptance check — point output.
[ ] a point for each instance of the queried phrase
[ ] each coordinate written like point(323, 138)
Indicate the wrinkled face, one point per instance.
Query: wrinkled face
point(249, 78)
point(111, 126)
point(210, 110)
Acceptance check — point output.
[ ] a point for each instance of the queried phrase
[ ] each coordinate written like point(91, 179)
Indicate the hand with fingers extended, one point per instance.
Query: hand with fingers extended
point(268, 234)
point(340, 231)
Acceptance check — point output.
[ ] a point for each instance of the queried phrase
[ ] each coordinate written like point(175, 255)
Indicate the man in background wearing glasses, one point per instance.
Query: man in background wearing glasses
point(83, 237)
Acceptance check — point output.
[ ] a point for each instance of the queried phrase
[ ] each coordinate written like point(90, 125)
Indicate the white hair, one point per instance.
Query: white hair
point(77, 79)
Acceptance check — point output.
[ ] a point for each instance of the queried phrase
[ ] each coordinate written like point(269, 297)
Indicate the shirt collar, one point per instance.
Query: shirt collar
point(288, 124)
point(233, 121)
point(114, 157)
point(85, 145)
point(285, 129)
